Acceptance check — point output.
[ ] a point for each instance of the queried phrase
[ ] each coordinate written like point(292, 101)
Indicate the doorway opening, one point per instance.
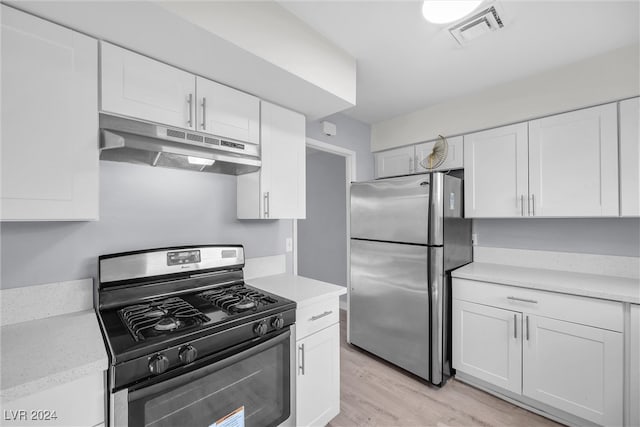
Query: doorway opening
point(321, 241)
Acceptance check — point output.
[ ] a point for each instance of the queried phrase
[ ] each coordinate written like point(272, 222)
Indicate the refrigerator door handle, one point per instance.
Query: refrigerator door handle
point(438, 299)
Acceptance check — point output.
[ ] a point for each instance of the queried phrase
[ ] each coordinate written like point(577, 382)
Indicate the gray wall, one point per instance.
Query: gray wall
point(603, 236)
point(322, 246)
point(351, 134)
point(140, 207)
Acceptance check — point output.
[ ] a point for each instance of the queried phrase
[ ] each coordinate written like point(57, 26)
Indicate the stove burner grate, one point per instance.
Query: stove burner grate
point(236, 298)
point(158, 317)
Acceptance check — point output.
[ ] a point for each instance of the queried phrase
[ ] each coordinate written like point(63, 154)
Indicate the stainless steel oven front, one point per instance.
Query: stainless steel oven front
point(254, 383)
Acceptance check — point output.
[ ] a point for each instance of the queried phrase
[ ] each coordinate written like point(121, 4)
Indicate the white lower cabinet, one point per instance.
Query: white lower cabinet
point(318, 385)
point(634, 366)
point(317, 363)
point(77, 403)
point(561, 351)
point(487, 344)
point(575, 368)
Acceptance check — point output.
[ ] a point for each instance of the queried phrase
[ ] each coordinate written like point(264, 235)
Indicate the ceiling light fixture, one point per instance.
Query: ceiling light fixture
point(445, 11)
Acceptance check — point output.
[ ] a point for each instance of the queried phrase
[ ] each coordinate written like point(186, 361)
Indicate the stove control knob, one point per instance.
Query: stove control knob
point(277, 322)
point(158, 364)
point(187, 354)
point(261, 328)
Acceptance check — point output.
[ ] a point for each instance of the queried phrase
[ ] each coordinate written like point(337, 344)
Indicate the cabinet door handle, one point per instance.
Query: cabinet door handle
point(189, 102)
point(532, 301)
point(301, 364)
point(320, 316)
point(266, 204)
point(533, 205)
point(527, 324)
point(522, 205)
point(204, 113)
point(515, 326)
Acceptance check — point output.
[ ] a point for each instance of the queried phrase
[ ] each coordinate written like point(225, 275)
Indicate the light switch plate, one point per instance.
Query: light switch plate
point(289, 244)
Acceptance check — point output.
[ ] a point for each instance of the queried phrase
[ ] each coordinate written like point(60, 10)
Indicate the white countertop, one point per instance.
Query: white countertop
point(566, 282)
point(44, 353)
point(302, 290)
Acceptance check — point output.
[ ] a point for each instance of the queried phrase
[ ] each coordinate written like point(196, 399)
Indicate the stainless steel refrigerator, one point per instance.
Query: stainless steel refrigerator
point(407, 234)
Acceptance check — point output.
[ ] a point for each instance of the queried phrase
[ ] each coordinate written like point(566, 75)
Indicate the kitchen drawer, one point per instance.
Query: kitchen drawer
point(587, 311)
point(317, 316)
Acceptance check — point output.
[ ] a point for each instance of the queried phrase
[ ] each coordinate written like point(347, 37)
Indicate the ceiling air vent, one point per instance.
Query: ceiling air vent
point(476, 26)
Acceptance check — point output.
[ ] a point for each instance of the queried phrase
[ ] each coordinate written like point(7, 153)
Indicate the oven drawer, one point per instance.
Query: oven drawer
point(317, 316)
point(571, 308)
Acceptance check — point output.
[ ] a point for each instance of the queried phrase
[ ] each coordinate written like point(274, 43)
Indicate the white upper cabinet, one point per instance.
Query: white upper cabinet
point(226, 112)
point(454, 159)
point(559, 166)
point(49, 166)
point(134, 85)
point(399, 161)
point(496, 172)
point(573, 163)
point(277, 190)
point(413, 159)
point(629, 157)
point(137, 86)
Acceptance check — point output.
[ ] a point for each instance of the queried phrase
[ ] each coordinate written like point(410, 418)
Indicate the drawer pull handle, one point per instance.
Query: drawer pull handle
point(532, 301)
point(320, 316)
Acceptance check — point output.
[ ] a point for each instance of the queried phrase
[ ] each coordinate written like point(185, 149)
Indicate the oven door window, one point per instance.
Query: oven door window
point(253, 384)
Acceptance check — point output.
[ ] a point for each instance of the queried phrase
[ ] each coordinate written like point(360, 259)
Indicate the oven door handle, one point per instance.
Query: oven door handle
point(206, 370)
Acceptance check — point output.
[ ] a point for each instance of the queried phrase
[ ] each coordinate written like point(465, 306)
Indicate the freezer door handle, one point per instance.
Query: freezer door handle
point(436, 209)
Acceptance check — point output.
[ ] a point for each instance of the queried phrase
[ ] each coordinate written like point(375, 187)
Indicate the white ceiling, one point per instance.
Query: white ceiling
point(405, 63)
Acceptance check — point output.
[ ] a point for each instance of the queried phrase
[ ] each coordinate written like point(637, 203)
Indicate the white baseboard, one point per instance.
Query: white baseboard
point(265, 266)
point(607, 265)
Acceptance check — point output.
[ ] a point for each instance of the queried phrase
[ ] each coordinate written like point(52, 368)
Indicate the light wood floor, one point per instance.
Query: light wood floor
point(375, 393)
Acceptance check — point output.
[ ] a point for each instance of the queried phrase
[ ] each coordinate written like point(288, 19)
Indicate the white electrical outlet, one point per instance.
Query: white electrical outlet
point(289, 244)
point(474, 239)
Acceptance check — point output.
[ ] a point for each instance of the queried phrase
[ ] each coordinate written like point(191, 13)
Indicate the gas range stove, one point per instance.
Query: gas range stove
point(167, 311)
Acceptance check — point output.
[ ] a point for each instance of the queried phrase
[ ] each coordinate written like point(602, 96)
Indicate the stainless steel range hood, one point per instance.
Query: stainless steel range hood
point(136, 141)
